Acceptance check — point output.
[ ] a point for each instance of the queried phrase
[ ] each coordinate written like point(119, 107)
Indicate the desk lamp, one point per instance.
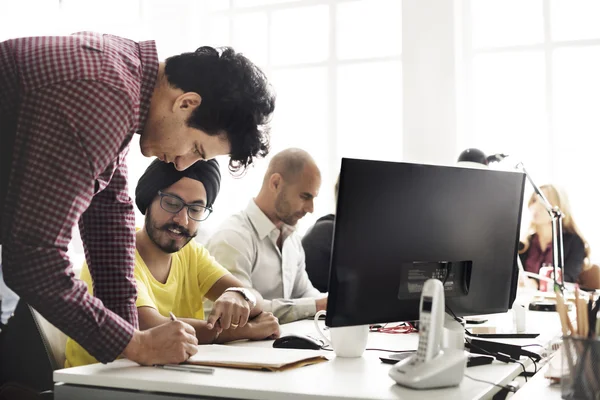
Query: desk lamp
point(474, 156)
point(557, 232)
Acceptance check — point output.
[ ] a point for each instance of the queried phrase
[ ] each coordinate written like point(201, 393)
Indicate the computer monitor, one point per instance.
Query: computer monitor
point(394, 218)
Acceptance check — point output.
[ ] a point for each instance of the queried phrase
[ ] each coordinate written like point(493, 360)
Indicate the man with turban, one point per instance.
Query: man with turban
point(174, 273)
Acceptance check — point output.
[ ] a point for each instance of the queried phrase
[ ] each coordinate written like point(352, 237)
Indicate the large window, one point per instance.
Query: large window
point(336, 68)
point(534, 93)
point(335, 65)
point(532, 79)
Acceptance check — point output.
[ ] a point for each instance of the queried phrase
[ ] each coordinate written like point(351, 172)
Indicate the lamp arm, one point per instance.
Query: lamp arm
point(557, 231)
point(537, 190)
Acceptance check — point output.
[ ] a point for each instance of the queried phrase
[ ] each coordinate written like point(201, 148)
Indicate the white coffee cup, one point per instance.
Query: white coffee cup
point(346, 341)
point(519, 317)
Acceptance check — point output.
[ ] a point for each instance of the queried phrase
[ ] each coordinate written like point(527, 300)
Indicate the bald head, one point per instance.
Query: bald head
point(291, 164)
point(290, 185)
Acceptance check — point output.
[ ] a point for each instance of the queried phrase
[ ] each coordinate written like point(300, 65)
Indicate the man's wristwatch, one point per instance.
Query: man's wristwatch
point(246, 294)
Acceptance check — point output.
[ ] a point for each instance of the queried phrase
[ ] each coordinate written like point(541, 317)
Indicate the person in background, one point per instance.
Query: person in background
point(260, 245)
point(69, 106)
point(174, 274)
point(317, 244)
point(476, 158)
point(536, 247)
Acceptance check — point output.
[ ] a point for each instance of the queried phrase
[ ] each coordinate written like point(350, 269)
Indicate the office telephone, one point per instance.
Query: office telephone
point(431, 366)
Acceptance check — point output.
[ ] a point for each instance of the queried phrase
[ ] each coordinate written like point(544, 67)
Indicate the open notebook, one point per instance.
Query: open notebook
point(260, 358)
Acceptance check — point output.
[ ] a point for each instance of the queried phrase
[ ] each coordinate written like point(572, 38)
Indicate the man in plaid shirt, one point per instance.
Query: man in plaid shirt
point(69, 107)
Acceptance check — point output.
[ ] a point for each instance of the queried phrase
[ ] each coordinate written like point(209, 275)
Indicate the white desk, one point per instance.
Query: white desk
point(362, 378)
point(539, 387)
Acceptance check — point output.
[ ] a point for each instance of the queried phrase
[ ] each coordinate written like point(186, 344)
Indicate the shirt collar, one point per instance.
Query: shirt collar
point(149, 61)
point(262, 224)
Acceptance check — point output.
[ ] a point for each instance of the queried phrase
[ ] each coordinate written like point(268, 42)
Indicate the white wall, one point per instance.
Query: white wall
point(429, 81)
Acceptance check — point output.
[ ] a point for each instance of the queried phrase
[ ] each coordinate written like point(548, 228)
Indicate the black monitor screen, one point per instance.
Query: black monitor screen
point(396, 222)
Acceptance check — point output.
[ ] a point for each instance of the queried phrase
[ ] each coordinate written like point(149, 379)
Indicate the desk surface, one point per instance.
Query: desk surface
point(539, 387)
point(361, 378)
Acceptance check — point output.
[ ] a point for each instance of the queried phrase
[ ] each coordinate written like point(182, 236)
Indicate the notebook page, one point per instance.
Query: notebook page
point(241, 355)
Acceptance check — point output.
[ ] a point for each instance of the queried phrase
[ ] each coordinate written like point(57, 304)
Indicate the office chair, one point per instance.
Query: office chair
point(31, 349)
point(589, 278)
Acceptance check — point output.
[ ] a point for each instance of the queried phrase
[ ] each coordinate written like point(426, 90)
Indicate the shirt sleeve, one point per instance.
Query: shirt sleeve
point(234, 251)
point(108, 232)
point(66, 133)
point(289, 310)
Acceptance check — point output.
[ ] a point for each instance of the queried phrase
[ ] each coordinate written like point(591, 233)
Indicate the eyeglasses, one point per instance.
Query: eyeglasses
point(174, 204)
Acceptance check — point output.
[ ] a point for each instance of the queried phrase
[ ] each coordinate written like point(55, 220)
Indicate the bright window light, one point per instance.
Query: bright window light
point(506, 22)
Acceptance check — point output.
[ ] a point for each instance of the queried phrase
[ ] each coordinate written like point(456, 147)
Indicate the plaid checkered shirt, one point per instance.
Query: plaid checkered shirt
point(68, 109)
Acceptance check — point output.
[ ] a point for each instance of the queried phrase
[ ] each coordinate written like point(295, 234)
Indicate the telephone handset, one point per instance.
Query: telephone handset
point(431, 320)
point(431, 366)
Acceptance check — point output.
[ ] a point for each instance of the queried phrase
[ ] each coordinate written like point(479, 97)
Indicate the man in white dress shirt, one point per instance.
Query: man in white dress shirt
point(260, 246)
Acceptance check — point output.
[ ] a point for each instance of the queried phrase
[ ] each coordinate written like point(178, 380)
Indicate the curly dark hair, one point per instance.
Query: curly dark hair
point(237, 99)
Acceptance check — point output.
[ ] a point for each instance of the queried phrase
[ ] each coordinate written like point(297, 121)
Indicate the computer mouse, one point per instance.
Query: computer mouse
point(294, 341)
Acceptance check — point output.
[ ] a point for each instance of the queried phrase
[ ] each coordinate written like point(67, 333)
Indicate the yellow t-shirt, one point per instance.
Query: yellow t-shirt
point(193, 272)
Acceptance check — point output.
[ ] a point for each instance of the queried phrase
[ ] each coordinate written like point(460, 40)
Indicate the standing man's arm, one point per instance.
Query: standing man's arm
point(107, 230)
point(51, 185)
point(62, 145)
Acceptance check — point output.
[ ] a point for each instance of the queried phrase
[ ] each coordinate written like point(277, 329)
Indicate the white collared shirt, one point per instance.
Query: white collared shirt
point(246, 244)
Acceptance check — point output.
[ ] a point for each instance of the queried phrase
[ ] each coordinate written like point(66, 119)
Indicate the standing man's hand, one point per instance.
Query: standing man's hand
point(170, 343)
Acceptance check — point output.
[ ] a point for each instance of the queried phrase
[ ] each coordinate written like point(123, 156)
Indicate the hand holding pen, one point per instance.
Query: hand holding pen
point(185, 368)
point(173, 342)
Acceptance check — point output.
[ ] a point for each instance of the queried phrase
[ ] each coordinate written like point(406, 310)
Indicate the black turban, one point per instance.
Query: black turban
point(160, 175)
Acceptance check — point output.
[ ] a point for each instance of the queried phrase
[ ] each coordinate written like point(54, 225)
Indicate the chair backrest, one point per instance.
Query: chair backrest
point(589, 278)
point(31, 350)
point(54, 340)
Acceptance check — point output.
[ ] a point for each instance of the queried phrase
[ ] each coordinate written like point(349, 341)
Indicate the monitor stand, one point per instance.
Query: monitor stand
point(454, 333)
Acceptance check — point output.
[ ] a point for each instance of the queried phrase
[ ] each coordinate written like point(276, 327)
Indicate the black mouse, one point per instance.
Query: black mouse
point(294, 341)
